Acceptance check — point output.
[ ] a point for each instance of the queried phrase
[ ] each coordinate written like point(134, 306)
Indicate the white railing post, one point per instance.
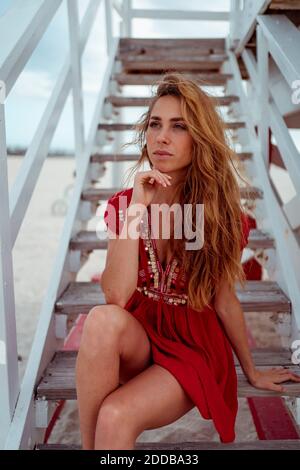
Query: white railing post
point(9, 376)
point(76, 80)
point(108, 25)
point(126, 14)
point(234, 16)
point(263, 93)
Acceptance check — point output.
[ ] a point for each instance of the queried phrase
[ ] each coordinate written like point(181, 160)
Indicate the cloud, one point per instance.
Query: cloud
point(33, 84)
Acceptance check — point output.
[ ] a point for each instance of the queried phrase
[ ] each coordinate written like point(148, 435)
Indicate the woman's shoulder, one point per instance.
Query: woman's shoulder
point(121, 199)
point(127, 192)
point(115, 209)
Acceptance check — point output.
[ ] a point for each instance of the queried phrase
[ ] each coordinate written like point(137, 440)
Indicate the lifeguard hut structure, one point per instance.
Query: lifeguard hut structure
point(257, 66)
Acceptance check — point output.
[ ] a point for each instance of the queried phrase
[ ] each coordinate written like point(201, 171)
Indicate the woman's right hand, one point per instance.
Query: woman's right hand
point(145, 185)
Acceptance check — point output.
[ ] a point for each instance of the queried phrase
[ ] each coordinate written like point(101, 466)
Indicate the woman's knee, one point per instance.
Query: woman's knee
point(113, 416)
point(103, 323)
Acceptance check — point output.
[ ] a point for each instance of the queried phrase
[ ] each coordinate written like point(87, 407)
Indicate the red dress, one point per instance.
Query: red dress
point(192, 345)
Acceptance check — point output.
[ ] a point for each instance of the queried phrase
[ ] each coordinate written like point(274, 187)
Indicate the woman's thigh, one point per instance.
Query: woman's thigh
point(135, 347)
point(151, 399)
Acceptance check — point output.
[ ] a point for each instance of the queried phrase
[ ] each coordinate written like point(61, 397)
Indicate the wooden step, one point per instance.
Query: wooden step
point(207, 79)
point(119, 101)
point(115, 126)
point(148, 46)
point(258, 296)
point(88, 240)
point(172, 56)
point(58, 381)
point(129, 157)
point(98, 194)
point(286, 444)
point(284, 5)
point(260, 240)
point(211, 63)
point(157, 53)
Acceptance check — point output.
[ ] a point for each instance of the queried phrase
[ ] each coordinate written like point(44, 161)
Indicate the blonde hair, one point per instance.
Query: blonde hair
point(209, 180)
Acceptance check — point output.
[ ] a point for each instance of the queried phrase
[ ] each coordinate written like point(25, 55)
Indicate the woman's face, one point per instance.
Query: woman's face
point(168, 132)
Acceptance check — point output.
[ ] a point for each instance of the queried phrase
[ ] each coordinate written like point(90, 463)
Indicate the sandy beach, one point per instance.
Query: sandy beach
point(34, 253)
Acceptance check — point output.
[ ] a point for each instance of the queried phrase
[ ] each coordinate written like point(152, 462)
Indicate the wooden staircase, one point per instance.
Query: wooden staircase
point(140, 62)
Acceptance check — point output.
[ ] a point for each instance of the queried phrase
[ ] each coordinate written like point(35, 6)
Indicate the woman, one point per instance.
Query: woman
point(172, 316)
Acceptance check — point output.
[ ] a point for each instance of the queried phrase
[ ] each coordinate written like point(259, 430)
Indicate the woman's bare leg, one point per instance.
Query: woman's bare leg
point(111, 337)
point(151, 399)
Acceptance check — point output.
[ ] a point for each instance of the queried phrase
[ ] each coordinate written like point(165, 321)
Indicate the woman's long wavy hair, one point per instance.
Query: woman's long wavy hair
point(209, 180)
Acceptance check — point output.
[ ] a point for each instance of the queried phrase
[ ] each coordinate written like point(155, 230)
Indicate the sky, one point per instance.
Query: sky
point(27, 101)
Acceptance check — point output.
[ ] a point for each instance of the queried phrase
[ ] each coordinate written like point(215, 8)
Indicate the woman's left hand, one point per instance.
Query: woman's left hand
point(271, 378)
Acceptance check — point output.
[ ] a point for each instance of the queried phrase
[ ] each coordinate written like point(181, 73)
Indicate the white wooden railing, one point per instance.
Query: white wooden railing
point(278, 41)
point(21, 29)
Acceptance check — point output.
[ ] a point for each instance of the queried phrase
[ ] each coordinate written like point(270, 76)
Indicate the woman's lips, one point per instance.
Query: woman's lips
point(162, 154)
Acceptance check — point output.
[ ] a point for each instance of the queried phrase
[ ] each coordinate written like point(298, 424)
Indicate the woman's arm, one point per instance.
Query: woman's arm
point(119, 278)
point(228, 308)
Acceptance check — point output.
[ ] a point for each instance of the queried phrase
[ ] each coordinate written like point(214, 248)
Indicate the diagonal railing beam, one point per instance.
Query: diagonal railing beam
point(41, 351)
point(282, 36)
point(37, 152)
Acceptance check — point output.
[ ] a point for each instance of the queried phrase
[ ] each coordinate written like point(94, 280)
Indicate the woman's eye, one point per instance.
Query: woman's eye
point(177, 126)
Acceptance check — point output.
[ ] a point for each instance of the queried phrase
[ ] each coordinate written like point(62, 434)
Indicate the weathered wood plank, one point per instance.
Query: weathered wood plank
point(252, 445)
point(112, 127)
point(258, 296)
point(86, 240)
point(251, 193)
point(245, 389)
point(58, 381)
point(285, 5)
point(148, 79)
point(97, 194)
point(80, 297)
point(89, 240)
point(213, 44)
point(263, 296)
point(260, 240)
point(159, 53)
point(172, 57)
point(119, 101)
point(213, 63)
point(287, 444)
point(151, 53)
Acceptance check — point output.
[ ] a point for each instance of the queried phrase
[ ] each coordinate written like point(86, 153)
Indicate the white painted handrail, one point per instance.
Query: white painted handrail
point(283, 38)
point(286, 243)
point(243, 21)
point(38, 149)
point(9, 375)
point(75, 59)
point(42, 349)
point(30, 19)
point(288, 150)
point(117, 5)
point(276, 35)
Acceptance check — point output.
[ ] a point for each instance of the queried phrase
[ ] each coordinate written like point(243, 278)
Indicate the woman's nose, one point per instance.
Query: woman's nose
point(162, 136)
